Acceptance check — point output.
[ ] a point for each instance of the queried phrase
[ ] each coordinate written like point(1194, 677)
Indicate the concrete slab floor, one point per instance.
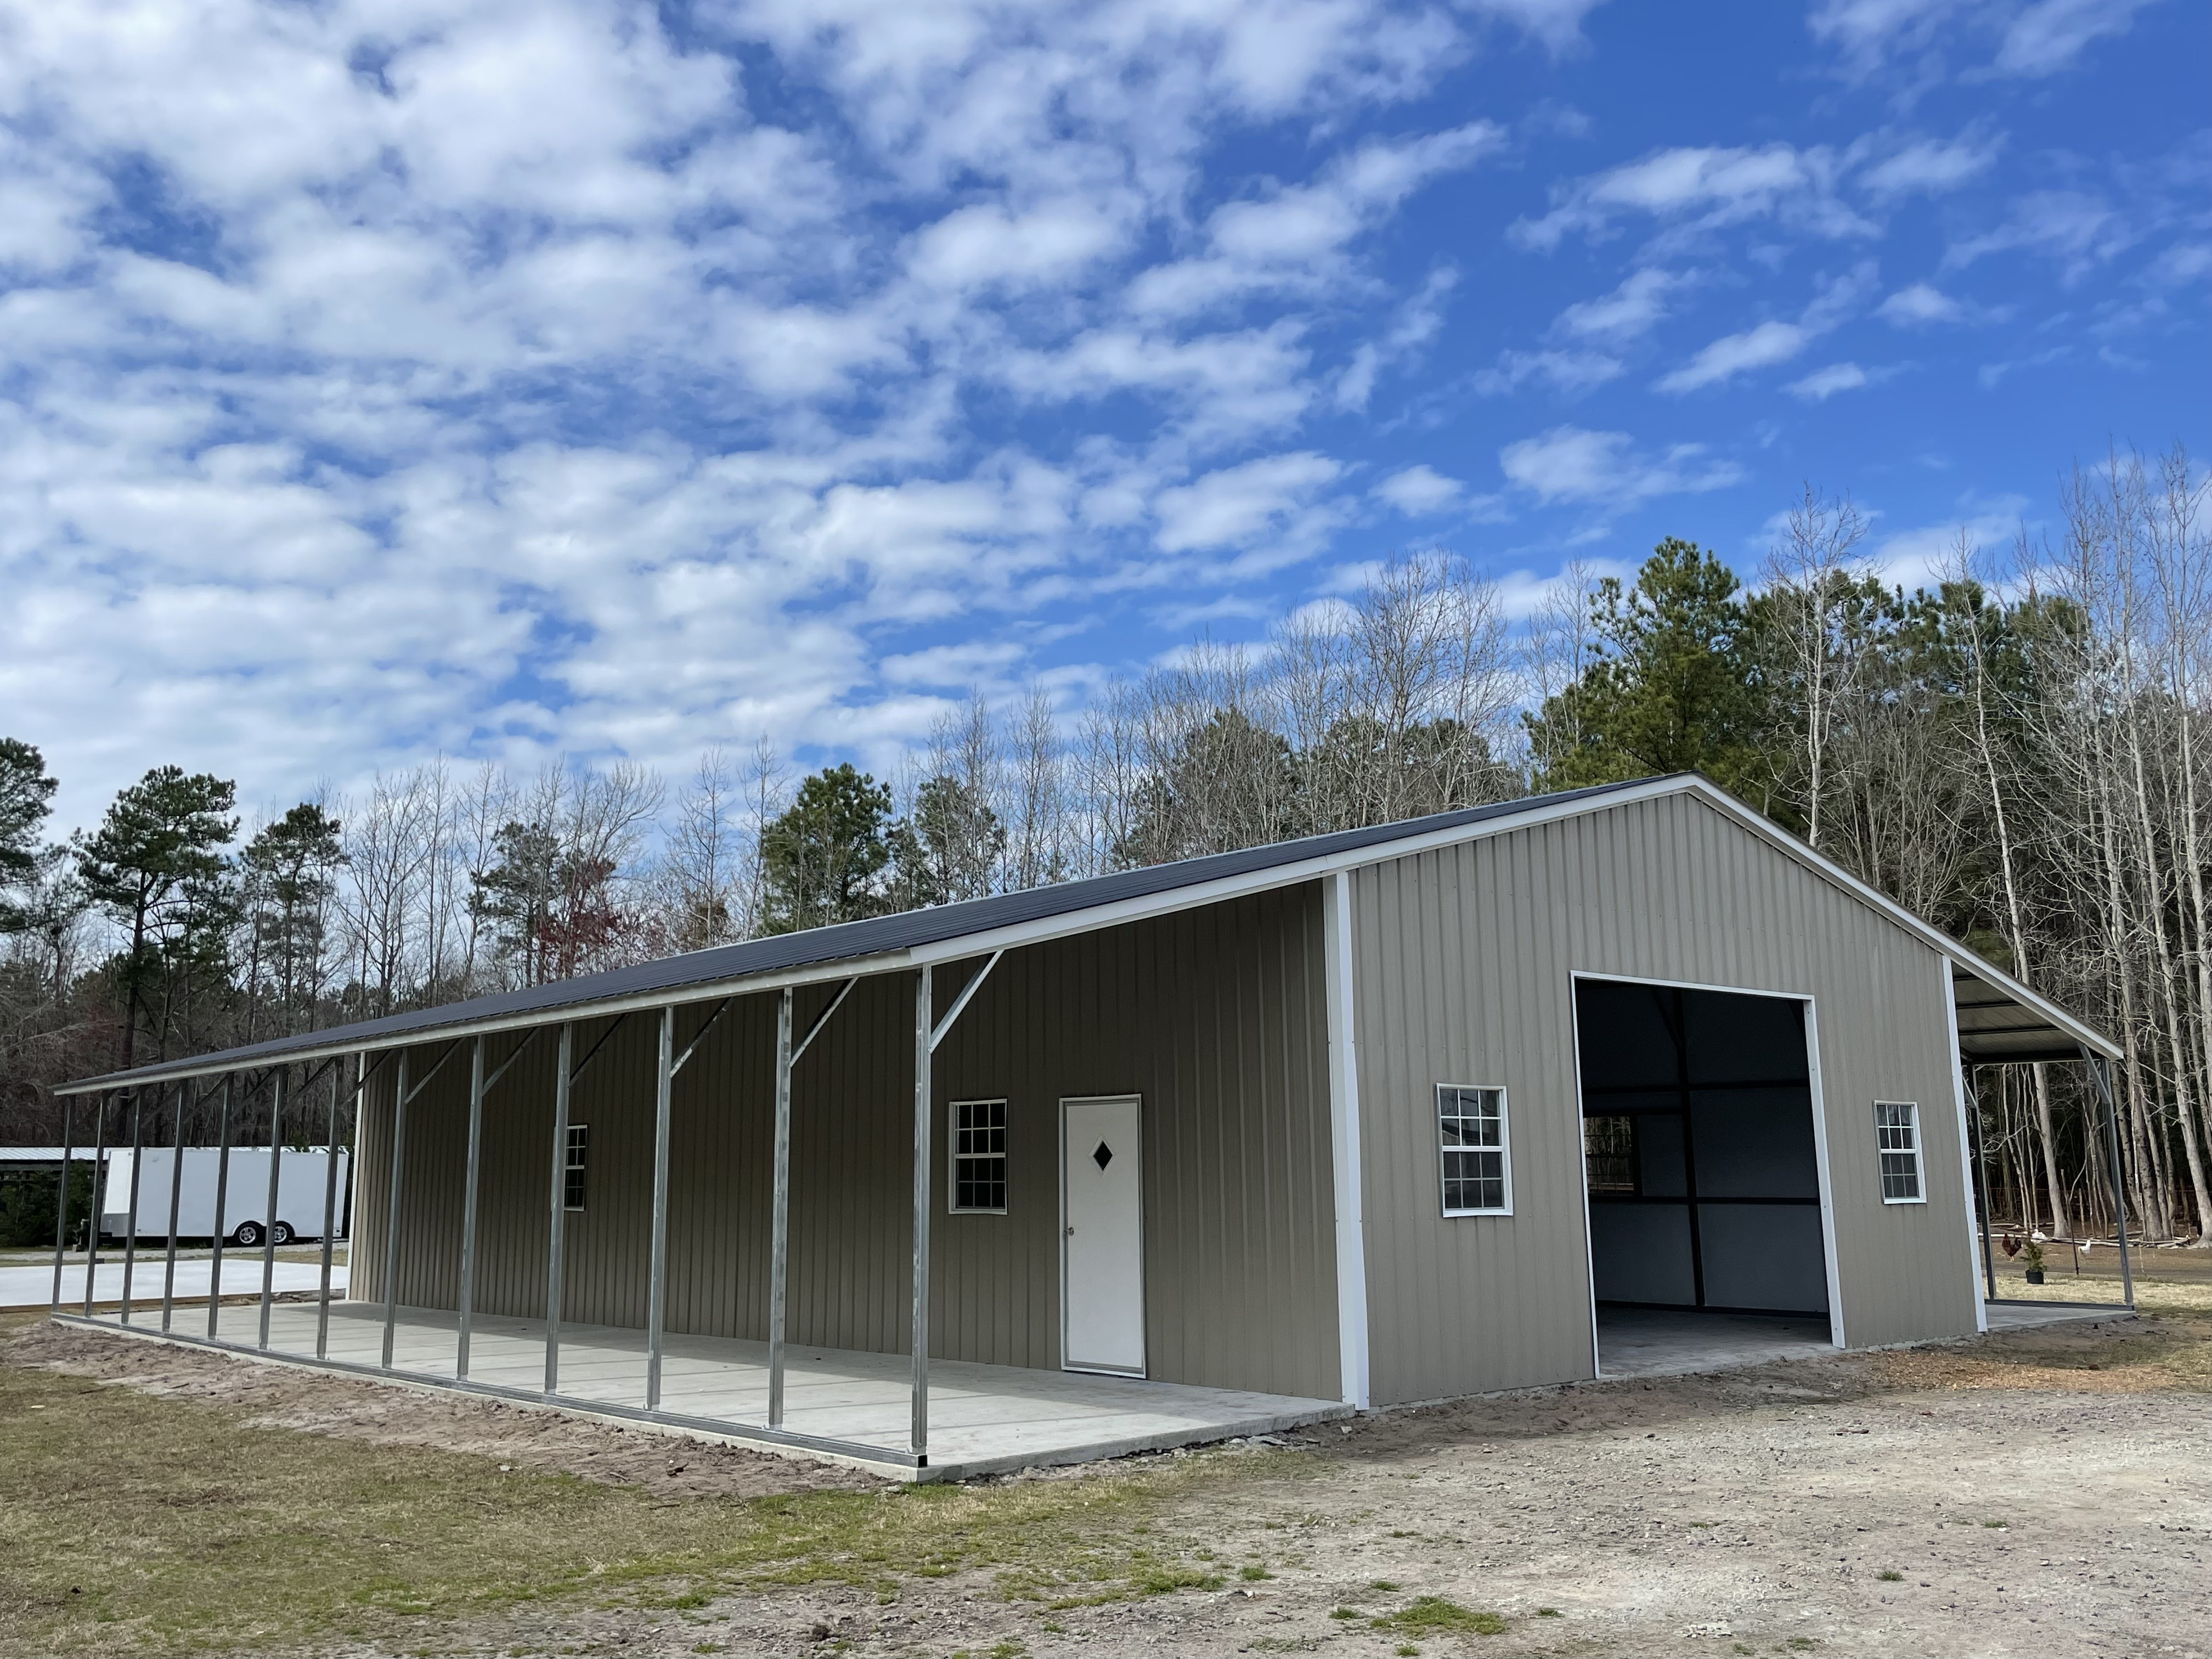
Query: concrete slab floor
point(2025, 1316)
point(983, 1420)
point(1667, 1342)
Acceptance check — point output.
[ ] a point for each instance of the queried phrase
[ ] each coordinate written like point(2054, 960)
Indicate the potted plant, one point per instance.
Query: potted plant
point(2030, 1260)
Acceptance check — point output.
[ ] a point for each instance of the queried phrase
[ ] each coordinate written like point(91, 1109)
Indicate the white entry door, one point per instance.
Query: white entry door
point(1101, 1210)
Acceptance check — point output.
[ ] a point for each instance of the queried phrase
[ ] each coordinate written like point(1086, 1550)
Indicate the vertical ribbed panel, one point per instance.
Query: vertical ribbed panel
point(1214, 1016)
point(1464, 959)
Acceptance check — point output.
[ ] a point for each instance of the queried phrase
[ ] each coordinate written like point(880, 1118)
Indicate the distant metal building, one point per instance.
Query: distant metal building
point(1388, 1115)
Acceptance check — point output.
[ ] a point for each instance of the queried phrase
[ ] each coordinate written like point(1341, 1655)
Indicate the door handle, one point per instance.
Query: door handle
point(1071, 1232)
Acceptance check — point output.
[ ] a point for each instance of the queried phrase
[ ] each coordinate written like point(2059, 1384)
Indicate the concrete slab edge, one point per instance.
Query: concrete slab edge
point(734, 1435)
point(1210, 1434)
point(970, 1469)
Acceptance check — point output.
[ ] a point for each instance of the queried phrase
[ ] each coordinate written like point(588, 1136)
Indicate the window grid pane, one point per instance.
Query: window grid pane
point(1471, 1135)
point(572, 1174)
point(1897, 1141)
point(979, 1155)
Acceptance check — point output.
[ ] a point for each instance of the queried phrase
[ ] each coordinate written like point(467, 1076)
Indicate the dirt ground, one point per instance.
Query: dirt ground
point(281, 1397)
point(2043, 1492)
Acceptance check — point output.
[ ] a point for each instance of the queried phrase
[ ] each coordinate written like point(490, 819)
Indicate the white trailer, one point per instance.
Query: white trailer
point(303, 1181)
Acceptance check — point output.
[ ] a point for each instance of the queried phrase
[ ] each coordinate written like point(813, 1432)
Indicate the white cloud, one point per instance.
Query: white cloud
point(1701, 188)
point(1238, 506)
point(501, 377)
point(1931, 167)
point(986, 246)
point(1920, 303)
point(1632, 310)
point(1918, 557)
point(2181, 264)
point(1772, 341)
point(1823, 384)
point(2048, 36)
point(1294, 240)
point(2076, 229)
point(2036, 39)
point(1868, 29)
point(1568, 372)
point(1732, 355)
point(1420, 491)
point(1228, 385)
point(1605, 469)
point(1557, 23)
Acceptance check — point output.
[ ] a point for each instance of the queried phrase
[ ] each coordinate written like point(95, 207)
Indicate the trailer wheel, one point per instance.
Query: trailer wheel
point(284, 1234)
point(247, 1236)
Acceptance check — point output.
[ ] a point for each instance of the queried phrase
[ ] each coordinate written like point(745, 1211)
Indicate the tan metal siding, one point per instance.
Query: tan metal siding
point(1463, 959)
point(1213, 1017)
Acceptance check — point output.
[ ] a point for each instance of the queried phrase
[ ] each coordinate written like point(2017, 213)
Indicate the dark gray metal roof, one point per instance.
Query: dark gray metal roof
point(852, 940)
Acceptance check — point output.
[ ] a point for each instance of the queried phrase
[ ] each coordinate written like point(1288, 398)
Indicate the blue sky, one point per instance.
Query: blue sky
point(514, 379)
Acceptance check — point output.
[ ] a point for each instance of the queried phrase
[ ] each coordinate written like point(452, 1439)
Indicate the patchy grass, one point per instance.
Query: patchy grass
point(132, 1523)
point(1434, 1615)
point(2172, 1353)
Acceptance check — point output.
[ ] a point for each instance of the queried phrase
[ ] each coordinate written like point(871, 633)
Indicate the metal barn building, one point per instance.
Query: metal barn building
point(1579, 1085)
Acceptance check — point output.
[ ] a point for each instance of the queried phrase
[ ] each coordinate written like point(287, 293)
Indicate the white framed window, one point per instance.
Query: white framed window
point(1477, 1160)
point(979, 1157)
point(572, 1169)
point(1896, 1137)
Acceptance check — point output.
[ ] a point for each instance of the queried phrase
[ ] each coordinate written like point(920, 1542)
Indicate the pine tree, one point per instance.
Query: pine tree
point(821, 859)
point(155, 865)
point(1671, 686)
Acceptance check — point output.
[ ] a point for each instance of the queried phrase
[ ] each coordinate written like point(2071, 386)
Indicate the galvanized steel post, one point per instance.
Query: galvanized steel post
point(131, 1222)
point(779, 1226)
point(269, 1222)
point(1981, 1187)
point(331, 1203)
point(61, 1210)
point(918, 1437)
point(656, 1297)
point(465, 1308)
point(2101, 1073)
point(561, 1082)
point(176, 1197)
point(221, 1202)
point(391, 1211)
point(98, 1198)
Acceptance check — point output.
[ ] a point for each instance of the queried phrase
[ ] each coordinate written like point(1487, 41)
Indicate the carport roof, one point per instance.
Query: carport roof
point(1997, 1027)
point(953, 931)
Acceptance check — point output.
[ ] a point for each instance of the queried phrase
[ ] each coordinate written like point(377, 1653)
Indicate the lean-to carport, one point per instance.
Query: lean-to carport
point(943, 958)
point(1993, 1027)
point(805, 1395)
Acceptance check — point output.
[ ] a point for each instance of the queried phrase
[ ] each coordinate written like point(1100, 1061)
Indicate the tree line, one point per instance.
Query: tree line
point(2012, 749)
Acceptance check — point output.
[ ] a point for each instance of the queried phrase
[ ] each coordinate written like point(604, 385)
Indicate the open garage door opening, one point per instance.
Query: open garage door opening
point(1708, 1245)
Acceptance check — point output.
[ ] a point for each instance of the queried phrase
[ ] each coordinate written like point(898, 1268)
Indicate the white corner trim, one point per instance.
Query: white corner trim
point(1820, 1152)
point(1965, 1150)
point(1344, 1142)
point(1590, 1243)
